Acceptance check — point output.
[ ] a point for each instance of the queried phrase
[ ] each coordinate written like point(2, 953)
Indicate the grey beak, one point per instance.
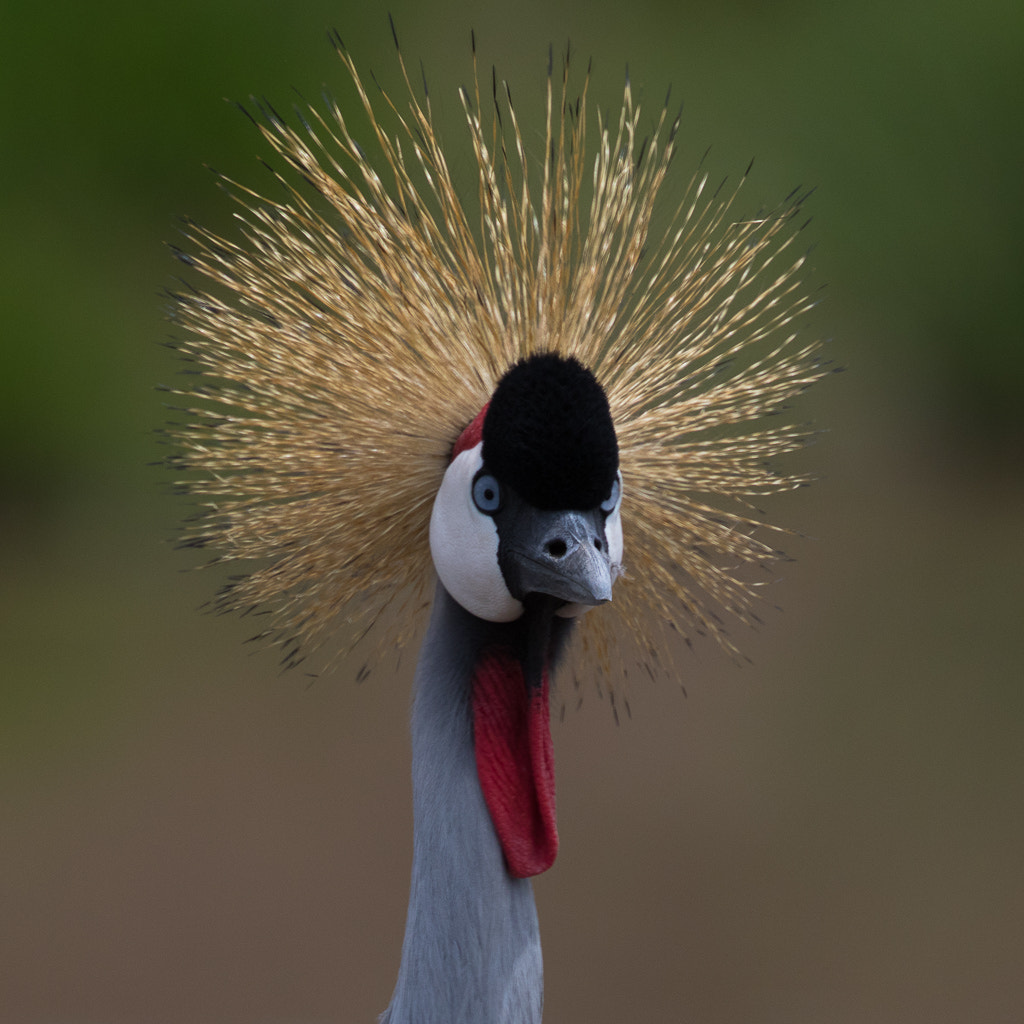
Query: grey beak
point(562, 554)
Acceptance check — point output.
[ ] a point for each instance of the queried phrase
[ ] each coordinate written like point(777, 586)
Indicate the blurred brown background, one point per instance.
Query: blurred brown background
point(832, 835)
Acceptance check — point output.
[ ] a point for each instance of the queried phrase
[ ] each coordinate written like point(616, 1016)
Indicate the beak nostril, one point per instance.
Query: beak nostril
point(597, 543)
point(556, 548)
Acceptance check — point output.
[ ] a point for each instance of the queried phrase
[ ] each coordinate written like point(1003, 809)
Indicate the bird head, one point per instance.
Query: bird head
point(530, 501)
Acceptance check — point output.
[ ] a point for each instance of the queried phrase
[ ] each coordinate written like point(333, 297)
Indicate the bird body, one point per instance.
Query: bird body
point(523, 565)
point(530, 403)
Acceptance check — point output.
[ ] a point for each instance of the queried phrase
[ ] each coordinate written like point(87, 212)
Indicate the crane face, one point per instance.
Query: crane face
point(530, 504)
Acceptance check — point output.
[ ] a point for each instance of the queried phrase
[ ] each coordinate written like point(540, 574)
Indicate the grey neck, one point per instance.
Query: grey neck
point(471, 953)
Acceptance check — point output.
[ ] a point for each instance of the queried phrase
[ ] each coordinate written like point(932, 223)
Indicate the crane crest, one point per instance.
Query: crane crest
point(365, 312)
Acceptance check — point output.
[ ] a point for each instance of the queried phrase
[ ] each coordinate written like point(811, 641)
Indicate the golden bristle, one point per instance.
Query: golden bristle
point(363, 319)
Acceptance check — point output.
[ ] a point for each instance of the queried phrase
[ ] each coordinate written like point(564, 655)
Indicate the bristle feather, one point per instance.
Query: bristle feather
point(360, 322)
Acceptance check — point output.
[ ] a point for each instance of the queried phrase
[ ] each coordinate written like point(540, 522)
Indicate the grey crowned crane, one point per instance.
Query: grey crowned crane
point(386, 375)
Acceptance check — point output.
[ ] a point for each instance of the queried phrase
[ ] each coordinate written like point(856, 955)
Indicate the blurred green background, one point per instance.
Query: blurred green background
point(834, 834)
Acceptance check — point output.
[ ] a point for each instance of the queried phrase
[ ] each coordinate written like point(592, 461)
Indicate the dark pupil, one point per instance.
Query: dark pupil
point(489, 494)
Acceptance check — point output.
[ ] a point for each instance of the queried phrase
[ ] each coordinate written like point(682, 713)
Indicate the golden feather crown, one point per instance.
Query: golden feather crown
point(359, 323)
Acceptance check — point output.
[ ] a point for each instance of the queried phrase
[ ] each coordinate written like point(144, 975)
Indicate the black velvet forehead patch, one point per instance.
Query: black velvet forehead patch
point(548, 434)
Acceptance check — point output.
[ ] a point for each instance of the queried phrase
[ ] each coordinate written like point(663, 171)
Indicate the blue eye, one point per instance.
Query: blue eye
point(609, 503)
point(486, 493)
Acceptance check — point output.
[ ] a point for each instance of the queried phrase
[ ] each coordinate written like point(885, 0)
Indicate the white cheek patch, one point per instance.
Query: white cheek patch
point(613, 534)
point(464, 545)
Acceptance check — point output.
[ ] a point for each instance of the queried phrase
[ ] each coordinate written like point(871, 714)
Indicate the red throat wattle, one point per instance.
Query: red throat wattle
point(515, 761)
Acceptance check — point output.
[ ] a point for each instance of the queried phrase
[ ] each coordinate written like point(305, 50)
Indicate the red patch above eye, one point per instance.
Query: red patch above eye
point(472, 435)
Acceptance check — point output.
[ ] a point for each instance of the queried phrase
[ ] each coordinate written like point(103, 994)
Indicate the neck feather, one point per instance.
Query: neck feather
point(471, 953)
